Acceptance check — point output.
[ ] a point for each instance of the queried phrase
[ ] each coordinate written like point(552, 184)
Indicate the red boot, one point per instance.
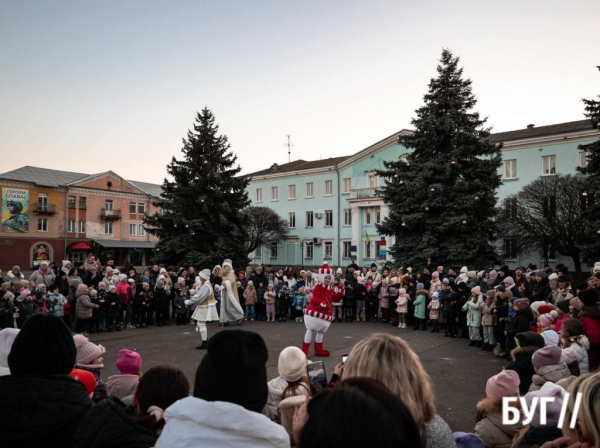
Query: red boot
point(305, 348)
point(319, 350)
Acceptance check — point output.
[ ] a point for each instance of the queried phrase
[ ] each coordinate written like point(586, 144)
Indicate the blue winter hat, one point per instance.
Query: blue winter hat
point(420, 286)
point(145, 278)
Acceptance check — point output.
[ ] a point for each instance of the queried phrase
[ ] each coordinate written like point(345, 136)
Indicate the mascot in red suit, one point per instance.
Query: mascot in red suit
point(318, 314)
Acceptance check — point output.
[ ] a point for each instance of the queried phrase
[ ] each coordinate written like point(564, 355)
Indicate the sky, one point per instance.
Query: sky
point(115, 85)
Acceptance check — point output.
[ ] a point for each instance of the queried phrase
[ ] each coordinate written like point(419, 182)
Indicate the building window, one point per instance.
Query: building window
point(510, 169)
point(71, 202)
point(346, 249)
point(367, 249)
point(308, 250)
point(373, 181)
point(292, 220)
point(133, 229)
point(510, 207)
point(549, 207)
point(81, 226)
point(328, 218)
point(510, 248)
point(274, 194)
point(347, 185)
point(378, 250)
point(583, 158)
point(309, 219)
point(328, 188)
point(141, 230)
point(141, 208)
point(328, 249)
point(377, 215)
point(258, 252)
point(259, 195)
point(347, 217)
point(309, 190)
point(292, 192)
point(42, 225)
point(108, 228)
point(108, 205)
point(273, 250)
point(367, 216)
point(548, 165)
point(132, 208)
point(82, 203)
point(71, 226)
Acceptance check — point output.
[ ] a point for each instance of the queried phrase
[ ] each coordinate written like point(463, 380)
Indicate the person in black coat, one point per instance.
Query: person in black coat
point(40, 404)
point(452, 305)
point(520, 323)
point(529, 342)
point(541, 287)
point(161, 304)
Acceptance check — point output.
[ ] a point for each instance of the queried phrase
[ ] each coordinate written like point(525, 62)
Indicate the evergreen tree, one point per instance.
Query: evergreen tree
point(592, 171)
point(442, 195)
point(202, 221)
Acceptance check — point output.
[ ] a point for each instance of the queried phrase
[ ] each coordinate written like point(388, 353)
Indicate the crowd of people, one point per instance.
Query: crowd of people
point(546, 325)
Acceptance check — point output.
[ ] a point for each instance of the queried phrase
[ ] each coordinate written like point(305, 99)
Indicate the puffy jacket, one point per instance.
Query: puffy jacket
point(121, 386)
point(487, 312)
point(580, 351)
point(40, 411)
point(250, 295)
point(84, 307)
point(124, 292)
point(39, 278)
point(57, 304)
point(549, 373)
point(420, 303)
point(489, 426)
point(473, 313)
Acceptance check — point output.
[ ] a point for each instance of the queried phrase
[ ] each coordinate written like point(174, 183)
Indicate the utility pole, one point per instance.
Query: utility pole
point(289, 147)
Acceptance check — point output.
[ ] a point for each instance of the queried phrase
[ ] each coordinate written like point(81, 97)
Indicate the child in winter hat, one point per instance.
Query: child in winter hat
point(129, 364)
point(86, 378)
point(89, 357)
point(292, 380)
point(548, 367)
point(546, 321)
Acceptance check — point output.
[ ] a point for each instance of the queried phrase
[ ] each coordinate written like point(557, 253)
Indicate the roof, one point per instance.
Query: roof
point(120, 244)
point(561, 128)
point(300, 165)
point(55, 178)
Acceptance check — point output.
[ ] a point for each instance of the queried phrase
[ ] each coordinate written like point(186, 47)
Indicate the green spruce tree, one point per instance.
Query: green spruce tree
point(202, 221)
point(591, 198)
point(442, 196)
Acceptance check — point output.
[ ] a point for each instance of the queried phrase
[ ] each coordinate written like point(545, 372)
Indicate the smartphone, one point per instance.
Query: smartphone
point(344, 358)
point(317, 376)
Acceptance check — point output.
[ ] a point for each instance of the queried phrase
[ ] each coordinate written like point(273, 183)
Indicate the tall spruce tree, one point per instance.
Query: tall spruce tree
point(202, 221)
point(442, 196)
point(591, 200)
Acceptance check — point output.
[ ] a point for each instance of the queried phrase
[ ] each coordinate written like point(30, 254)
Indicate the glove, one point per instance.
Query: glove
point(187, 302)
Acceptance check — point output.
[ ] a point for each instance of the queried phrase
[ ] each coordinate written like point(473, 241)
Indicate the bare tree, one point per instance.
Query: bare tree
point(264, 226)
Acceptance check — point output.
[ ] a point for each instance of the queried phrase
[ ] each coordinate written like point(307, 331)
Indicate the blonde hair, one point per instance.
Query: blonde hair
point(586, 428)
point(390, 360)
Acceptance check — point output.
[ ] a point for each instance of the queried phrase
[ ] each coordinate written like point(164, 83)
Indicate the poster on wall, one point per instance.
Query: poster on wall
point(15, 210)
point(41, 252)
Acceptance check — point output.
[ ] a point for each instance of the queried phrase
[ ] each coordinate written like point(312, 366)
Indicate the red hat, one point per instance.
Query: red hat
point(86, 378)
point(325, 270)
point(544, 309)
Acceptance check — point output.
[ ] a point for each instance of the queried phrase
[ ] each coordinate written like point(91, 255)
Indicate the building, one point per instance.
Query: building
point(55, 215)
point(332, 207)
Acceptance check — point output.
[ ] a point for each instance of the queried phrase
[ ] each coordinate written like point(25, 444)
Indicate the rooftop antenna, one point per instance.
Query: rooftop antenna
point(289, 147)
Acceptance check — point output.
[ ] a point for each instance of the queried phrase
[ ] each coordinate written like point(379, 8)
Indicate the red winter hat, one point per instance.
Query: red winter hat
point(86, 378)
point(128, 362)
point(544, 309)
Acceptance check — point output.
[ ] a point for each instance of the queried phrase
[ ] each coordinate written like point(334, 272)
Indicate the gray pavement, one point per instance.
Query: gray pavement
point(458, 372)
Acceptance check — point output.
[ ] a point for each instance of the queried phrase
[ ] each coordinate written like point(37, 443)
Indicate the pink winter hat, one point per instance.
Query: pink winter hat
point(129, 362)
point(87, 351)
point(547, 319)
point(546, 356)
point(505, 384)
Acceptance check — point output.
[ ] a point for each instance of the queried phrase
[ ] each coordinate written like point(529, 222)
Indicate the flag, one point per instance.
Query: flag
point(367, 240)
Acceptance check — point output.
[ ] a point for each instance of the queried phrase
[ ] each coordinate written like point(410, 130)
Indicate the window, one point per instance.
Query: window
point(510, 207)
point(309, 250)
point(378, 250)
point(141, 208)
point(71, 226)
point(133, 229)
point(378, 215)
point(510, 249)
point(81, 226)
point(373, 181)
point(328, 188)
point(258, 252)
point(108, 228)
point(292, 192)
point(328, 249)
point(259, 195)
point(42, 225)
point(549, 207)
point(367, 249)
point(583, 158)
point(309, 219)
point(71, 202)
point(141, 230)
point(548, 165)
point(328, 218)
point(82, 204)
point(273, 250)
point(510, 169)
point(367, 216)
point(347, 217)
point(108, 205)
point(347, 185)
point(43, 201)
point(346, 249)
point(132, 208)
point(309, 190)
point(292, 220)
point(274, 194)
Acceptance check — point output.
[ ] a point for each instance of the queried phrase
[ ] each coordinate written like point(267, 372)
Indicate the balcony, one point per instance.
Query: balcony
point(110, 215)
point(364, 193)
point(44, 209)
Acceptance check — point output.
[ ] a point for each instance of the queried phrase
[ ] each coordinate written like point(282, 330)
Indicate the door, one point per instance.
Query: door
point(43, 201)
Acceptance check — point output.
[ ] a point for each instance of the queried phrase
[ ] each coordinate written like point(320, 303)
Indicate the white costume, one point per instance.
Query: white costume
point(231, 309)
point(206, 306)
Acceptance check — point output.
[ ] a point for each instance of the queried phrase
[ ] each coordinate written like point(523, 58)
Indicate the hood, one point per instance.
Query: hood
point(13, 276)
point(195, 422)
point(492, 409)
point(122, 386)
point(522, 356)
point(277, 386)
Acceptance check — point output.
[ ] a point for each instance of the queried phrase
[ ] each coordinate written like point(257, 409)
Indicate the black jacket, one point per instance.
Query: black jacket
point(107, 425)
point(522, 364)
point(40, 411)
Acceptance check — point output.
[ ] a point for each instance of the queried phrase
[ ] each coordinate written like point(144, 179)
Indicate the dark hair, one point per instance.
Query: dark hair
point(338, 418)
point(53, 287)
point(2, 293)
point(160, 386)
point(571, 328)
point(72, 271)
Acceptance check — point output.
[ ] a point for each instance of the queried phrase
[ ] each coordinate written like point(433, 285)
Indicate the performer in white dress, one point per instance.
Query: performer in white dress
point(231, 310)
point(206, 306)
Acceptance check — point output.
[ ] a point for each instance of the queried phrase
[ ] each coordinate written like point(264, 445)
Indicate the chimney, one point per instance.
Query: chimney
point(530, 126)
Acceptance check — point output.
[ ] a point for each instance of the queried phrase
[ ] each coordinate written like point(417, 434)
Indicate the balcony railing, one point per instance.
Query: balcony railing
point(364, 193)
point(44, 209)
point(110, 215)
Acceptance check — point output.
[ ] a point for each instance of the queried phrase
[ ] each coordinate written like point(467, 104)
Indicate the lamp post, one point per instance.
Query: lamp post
point(304, 240)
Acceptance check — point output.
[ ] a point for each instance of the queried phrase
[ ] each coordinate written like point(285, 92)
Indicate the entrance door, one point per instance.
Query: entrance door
point(43, 201)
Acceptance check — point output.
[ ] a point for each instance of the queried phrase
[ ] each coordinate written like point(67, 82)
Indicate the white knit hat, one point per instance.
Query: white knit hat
point(122, 277)
point(464, 270)
point(553, 276)
point(205, 274)
point(292, 364)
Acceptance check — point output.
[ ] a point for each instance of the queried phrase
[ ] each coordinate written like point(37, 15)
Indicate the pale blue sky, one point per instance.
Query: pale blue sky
point(92, 86)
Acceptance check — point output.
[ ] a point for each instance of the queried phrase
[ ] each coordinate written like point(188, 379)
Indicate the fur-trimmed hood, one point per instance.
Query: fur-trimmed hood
point(522, 350)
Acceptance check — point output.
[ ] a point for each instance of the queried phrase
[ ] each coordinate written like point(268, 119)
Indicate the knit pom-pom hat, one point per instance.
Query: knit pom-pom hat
point(87, 351)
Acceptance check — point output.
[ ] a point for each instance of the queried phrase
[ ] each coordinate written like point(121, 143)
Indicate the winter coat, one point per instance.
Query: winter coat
point(536, 437)
point(100, 391)
point(38, 411)
point(260, 295)
point(521, 363)
point(384, 297)
point(402, 303)
point(250, 296)
point(489, 427)
point(269, 297)
point(141, 302)
point(193, 422)
point(113, 305)
point(85, 306)
point(57, 304)
point(278, 385)
point(473, 313)
point(300, 301)
point(360, 292)
point(121, 386)
point(487, 312)
point(160, 300)
point(559, 322)
point(580, 351)
point(125, 293)
point(108, 425)
point(39, 278)
point(12, 278)
point(541, 291)
point(434, 309)
point(349, 297)
point(549, 373)
point(519, 324)
point(434, 287)
point(420, 304)
point(180, 305)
